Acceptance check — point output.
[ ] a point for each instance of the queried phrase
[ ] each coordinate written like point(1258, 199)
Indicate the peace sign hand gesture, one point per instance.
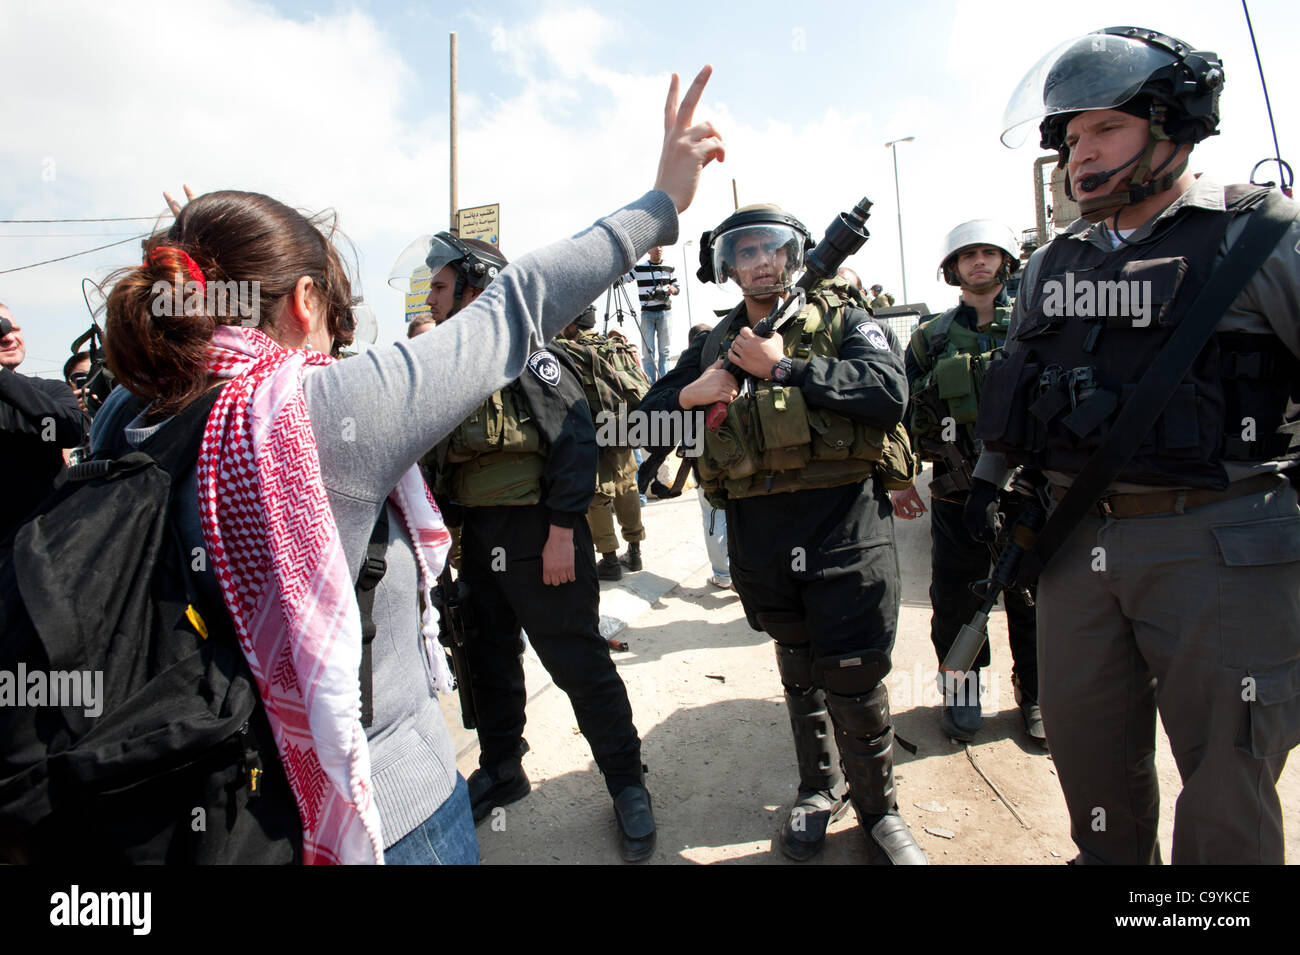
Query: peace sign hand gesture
point(687, 149)
point(175, 206)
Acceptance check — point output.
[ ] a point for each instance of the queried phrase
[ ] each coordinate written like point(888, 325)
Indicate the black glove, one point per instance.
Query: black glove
point(981, 512)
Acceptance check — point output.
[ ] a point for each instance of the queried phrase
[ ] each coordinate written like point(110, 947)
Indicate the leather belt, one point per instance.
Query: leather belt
point(1173, 502)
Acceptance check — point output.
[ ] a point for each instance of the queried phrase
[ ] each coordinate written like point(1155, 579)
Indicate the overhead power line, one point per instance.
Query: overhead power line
point(142, 235)
point(49, 221)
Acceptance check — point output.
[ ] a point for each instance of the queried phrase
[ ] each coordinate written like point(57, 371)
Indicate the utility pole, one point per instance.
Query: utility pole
point(454, 209)
point(902, 267)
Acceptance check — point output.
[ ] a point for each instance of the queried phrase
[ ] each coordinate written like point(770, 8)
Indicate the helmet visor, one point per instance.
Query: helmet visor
point(410, 264)
point(1094, 71)
point(762, 258)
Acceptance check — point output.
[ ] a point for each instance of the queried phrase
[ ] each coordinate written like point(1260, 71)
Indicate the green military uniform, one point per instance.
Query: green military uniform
point(946, 360)
point(613, 384)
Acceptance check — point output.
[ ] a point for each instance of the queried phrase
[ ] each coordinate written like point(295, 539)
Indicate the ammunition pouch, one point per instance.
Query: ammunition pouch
point(495, 456)
point(502, 423)
point(773, 442)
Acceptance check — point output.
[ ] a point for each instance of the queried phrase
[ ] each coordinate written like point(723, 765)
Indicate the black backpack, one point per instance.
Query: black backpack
point(179, 765)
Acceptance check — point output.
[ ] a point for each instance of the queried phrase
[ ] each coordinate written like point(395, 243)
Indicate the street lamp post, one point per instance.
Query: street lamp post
point(892, 146)
point(686, 278)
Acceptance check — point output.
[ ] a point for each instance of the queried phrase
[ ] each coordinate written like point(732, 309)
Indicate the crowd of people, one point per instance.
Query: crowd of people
point(1133, 458)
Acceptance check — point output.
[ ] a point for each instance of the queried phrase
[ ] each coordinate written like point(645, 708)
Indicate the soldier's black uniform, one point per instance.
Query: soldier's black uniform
point(847, 589)
point(502, 564)
point(816, 568)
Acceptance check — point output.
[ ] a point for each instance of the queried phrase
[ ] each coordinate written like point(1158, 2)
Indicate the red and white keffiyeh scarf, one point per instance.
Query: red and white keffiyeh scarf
point(275, 548)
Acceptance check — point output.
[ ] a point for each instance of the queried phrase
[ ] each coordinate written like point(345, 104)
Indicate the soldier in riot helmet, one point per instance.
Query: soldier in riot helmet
point(946, 359)
point(519, 471)
point(1169, 569)
point(810, 533)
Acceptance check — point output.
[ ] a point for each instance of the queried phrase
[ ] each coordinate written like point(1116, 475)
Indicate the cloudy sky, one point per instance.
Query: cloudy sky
point(345, 105)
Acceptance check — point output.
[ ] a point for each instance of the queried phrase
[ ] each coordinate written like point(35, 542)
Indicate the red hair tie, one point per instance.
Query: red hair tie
point(191, 267)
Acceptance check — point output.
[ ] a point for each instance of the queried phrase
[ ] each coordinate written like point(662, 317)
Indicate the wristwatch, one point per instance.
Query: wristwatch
point(781, 370)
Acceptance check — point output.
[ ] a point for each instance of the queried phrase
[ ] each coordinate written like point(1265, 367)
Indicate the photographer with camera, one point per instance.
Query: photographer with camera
point(38, 419)
point(654, 286)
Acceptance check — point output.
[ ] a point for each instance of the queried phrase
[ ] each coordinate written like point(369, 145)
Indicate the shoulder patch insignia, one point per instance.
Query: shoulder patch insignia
point(545, 366)
point(874, 336)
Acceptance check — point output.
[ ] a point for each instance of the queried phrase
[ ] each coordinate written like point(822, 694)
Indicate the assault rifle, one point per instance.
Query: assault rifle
point(844, 236)
point(456, 623)
point(1015, 542)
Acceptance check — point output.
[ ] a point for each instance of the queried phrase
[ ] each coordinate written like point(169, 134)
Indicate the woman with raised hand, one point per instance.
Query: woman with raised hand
point(302, 456)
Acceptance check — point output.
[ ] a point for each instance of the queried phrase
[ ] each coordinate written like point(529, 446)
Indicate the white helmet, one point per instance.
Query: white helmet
point(979, 232)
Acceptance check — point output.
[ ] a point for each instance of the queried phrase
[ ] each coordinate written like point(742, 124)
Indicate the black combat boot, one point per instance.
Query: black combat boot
point(962, 716)
point(866, 742)
point(498, 785)
point(608, 567)
point(822, 797)
point(632, 559)
point(1027, 700)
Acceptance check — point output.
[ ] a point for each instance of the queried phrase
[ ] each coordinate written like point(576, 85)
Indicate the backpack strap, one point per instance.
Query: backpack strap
point(175, 448)
point(713, 344)
point(372, 572)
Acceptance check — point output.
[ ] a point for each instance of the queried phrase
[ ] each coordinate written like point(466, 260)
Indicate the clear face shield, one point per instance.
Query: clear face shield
point(425, 256)
point(763, 258)
point(1095, 71)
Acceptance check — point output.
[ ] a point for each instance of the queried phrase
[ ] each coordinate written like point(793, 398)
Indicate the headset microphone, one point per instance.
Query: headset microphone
point(1094, 180)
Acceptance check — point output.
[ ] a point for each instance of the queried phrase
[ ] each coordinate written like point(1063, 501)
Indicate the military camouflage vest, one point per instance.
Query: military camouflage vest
point(774, 442)
point(945, 401)
point(496, 456)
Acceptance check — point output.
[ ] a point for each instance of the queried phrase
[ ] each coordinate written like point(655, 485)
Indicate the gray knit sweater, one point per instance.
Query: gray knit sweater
point(375, 415)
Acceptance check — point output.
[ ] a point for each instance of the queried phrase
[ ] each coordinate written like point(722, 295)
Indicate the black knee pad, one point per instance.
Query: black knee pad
point(851, 674)
point(795, 666)
point(785, 628)
point(862, 717)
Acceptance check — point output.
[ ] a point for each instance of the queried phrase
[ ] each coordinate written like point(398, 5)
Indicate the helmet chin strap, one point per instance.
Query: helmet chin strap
point(1098, 208)
point(984, 287)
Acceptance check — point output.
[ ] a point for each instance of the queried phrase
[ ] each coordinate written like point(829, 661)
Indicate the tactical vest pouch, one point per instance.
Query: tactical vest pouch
point(727, 451)
point(832, 435)
point(504, 478)
point(501, 423)
point(956, 382)
point(1154, 282)
point(928, 412)
point(785, 437)
point(1005, 423)
point(1177, 433)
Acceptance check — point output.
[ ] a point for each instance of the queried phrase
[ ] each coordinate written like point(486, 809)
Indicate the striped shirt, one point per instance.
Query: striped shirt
point(648, 278)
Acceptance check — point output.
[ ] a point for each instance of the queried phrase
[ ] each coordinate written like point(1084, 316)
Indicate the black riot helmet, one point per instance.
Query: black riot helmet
point(755, 231)
point(1141, 72)
point(475, 262)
